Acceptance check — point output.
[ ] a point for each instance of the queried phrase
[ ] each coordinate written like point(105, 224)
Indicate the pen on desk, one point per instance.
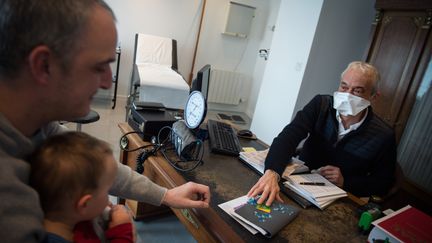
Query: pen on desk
point(311, 183)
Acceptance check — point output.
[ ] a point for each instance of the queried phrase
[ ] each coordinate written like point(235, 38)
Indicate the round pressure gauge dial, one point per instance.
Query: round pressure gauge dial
point(195, 110)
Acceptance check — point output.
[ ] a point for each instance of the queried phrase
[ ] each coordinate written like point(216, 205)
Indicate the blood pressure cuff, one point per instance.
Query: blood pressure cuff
point(184, 140)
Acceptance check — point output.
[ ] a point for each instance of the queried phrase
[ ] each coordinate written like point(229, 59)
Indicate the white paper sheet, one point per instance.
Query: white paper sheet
point(229, 208)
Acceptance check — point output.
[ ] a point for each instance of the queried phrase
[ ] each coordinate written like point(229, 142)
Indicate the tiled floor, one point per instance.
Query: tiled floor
point(161, 229)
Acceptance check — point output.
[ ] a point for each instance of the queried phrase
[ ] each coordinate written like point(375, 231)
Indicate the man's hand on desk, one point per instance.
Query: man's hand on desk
point(189, 195)
point(333, 174)
point(268, 187)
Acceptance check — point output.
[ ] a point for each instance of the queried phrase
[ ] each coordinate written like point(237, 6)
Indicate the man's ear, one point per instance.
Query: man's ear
point(82, 203)
point(375, 96)
point(40, 61)
point(373, 99)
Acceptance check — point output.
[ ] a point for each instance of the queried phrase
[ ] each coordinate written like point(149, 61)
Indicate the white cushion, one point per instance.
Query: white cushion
point(162, 84)
point(154, 49)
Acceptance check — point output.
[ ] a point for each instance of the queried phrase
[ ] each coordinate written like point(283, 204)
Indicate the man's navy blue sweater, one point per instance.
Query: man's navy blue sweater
point(365, 156)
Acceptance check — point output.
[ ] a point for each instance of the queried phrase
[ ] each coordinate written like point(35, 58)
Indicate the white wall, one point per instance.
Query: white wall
point(179, 19)
point(341, 37)
point(233, 53)
point(292, 40)
point(334, 33)
point(261, 63)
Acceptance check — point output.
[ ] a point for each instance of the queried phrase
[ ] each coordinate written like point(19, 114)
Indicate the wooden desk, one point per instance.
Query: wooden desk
point(228, 178)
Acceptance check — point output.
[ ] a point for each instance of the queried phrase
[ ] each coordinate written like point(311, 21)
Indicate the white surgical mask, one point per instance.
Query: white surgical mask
point(349, 105)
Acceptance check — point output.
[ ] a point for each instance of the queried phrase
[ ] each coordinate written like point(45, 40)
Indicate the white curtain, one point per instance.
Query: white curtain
point(415, 148)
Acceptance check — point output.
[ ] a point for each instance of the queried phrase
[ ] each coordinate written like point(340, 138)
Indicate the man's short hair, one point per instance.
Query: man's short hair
point(67, 166)
point(25, 24)
point(369, 71)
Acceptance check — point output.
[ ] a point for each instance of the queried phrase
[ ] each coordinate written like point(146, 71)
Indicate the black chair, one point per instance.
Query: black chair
point(92, 116)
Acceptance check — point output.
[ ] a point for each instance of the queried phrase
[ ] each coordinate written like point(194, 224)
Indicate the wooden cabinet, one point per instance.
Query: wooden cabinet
point(398, 44)
point(140, 210)
point(400, 47)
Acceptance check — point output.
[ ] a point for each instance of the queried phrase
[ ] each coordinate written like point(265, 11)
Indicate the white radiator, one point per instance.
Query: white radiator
point(226, 87)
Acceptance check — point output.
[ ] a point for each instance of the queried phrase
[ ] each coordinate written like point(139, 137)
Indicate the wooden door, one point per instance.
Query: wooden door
point(397, 44)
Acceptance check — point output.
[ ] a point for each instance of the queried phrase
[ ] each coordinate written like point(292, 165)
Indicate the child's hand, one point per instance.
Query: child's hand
point(119, 215)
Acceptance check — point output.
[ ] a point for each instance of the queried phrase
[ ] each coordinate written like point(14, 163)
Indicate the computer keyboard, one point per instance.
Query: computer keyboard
point(223, 138)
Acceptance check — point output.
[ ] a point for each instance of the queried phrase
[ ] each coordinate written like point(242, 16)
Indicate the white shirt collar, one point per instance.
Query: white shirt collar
point(341, 129)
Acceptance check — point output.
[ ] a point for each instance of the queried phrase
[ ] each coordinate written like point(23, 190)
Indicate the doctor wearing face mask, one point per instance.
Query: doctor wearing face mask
point(345, 141)
point(356, 89)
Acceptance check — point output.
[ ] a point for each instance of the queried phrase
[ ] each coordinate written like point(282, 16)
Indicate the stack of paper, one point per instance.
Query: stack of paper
point(256, 159)
point(295, 166)
point(319, 192)
point(260, 218)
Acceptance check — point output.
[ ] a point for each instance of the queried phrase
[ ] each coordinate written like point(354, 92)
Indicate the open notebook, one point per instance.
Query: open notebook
point(321, 195)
